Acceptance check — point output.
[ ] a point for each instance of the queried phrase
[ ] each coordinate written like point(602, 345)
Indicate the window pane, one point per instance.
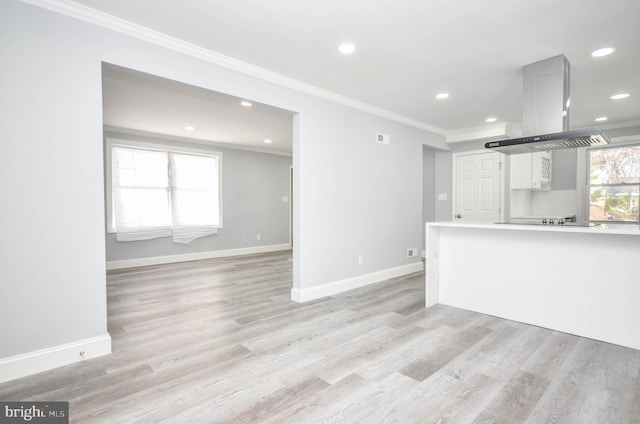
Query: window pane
point(617, 203)
point(194, 172)
point(195, 194)
point(141, 168)
point(196, 208)
point(615, 166)
point(159, 193)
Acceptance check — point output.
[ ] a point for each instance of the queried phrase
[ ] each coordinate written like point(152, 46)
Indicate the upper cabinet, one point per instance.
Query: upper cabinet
point(531, 171)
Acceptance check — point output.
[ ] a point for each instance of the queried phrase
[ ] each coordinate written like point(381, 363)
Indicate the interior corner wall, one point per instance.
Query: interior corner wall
point(359, 197)
point(253, 185)
point(428, 187)
point(443, 186)
point(352, 195)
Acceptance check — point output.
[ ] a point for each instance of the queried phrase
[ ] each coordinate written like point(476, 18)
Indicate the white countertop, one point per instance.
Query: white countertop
point(621, 229)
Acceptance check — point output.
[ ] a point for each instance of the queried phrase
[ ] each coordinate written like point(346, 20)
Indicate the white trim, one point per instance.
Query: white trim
point(211, 254)
point(45, 359)
point(582, 185)
point(335, 287)
point(290, 206)
point(122, 26)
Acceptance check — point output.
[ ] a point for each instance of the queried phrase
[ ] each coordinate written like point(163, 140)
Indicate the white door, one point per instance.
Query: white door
point(477, 187)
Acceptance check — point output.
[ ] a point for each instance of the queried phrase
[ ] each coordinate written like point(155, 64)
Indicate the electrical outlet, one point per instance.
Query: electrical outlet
point(412, 252)
point(360, 260)
point(258, 237)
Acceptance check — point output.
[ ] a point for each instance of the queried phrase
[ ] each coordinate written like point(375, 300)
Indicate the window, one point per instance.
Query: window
point(161, 192)
point(614, 184)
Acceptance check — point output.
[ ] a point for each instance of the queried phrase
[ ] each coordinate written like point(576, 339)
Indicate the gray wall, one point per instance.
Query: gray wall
point(52, 214)
point(429, 184)
point(253, 185)
point(564, 164)
point(352, 196)
point(428, 187)
point(357, 197)
point(444, 185)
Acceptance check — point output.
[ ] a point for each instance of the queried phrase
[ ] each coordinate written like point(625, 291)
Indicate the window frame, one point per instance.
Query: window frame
point(155, 146)
point(627, 142)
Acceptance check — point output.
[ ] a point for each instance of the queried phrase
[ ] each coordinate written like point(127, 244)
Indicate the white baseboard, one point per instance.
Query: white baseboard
point(37, 361)
point(211, 254)
point(335, 287)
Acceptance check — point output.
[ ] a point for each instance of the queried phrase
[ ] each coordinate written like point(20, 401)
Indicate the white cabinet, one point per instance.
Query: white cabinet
point(531, 171)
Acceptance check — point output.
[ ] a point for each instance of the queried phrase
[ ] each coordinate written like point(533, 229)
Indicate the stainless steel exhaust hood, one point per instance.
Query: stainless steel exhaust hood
point(545, 112)
point(555, 141)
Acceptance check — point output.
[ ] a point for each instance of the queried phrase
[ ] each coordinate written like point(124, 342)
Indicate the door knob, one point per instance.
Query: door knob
point(458, 216)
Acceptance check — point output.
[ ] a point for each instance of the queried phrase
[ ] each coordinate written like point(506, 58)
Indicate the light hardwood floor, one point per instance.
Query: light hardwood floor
point(219, 341)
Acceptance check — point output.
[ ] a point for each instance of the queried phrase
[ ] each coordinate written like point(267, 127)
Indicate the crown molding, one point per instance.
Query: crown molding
point(93, 16)
point(124, 132)
point(498, 130)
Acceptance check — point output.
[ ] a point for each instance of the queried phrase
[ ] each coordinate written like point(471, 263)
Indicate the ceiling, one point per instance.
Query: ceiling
point(144, 103)
point(409, 51)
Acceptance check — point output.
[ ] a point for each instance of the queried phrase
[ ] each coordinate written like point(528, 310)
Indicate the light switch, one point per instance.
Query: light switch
point(285, 199)
point(442, 196)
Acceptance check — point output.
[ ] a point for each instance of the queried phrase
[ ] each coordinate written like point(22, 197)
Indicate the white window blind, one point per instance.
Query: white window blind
point(140, 194)
point(194, 196)
point(164, 193)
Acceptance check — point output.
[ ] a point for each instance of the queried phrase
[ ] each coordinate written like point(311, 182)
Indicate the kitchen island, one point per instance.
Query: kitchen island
point(579, 280)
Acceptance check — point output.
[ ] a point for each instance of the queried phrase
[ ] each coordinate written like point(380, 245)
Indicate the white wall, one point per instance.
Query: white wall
point(351, 196)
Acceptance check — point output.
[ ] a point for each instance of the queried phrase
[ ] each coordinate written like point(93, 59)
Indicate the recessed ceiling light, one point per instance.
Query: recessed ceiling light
point(268, 141)
point(442, 96)
point(619, 96)
point(347, 48)
point(603, 52)
point(491, 120)
point(246, 103)
point(601, 118)
point(189, 128)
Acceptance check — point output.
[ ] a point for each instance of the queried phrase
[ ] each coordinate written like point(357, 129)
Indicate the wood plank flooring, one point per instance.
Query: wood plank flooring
point(219, 341)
